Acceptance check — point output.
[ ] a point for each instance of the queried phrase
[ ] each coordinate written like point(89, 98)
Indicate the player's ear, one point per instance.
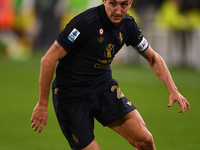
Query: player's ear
point(130, 3)
point(103, 1)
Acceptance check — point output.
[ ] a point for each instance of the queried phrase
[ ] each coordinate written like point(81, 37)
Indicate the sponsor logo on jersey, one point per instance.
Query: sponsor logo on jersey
point(129, 103)
point(100, 39)
point(73, 35)
point(109, 51)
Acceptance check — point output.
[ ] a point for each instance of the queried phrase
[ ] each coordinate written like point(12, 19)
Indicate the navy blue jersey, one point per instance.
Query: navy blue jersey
point(91, 41)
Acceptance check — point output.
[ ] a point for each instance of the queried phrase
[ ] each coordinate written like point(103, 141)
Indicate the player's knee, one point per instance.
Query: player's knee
point(146, 144)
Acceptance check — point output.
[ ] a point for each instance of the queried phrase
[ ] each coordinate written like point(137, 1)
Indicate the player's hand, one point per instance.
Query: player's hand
point(39, 117)
point(177, 97)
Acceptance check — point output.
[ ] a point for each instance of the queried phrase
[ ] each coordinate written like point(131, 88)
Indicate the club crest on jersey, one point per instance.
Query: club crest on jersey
point(73, 35)
point(120, 37)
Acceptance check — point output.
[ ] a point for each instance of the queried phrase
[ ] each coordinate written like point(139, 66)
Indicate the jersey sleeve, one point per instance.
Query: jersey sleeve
point(73, 34)
point(136, 38)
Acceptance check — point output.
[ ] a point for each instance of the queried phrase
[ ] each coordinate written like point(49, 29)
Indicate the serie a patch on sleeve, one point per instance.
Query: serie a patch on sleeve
point(142, 46)
point(73, 35)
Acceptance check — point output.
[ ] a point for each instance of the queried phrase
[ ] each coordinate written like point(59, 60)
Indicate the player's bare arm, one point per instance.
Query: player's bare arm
point(161, 70)
point(47, 68)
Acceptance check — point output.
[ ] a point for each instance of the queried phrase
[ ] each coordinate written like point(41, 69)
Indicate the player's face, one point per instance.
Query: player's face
point(116, 9)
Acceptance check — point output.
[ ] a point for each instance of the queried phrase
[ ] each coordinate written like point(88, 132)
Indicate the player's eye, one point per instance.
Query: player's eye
point(113, 4)
point(124, 5)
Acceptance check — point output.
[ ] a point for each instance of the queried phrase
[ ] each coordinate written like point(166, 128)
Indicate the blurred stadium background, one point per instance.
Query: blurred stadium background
point(172, 27)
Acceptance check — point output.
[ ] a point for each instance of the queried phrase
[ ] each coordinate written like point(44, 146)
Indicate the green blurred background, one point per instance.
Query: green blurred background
point(28, 28)
point(171, 130)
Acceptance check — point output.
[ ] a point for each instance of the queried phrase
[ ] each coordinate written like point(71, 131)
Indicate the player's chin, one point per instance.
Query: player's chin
point(116, 21)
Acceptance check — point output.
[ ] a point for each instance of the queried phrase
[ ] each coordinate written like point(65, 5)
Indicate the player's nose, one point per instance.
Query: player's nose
point(118, 10)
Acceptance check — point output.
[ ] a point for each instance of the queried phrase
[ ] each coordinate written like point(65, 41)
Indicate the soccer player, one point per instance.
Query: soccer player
point(84, 88)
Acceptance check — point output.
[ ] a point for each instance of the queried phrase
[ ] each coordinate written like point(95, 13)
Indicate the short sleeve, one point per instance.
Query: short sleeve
point(136, 38)
point(73, 34)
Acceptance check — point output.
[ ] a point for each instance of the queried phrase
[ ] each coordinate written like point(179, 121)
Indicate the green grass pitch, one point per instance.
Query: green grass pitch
point(171, 130)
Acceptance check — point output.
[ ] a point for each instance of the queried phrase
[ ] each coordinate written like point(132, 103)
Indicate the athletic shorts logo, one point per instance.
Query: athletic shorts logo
point(75, 139)
point(73, 35)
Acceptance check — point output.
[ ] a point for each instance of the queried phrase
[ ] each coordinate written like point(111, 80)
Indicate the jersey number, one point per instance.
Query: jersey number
point(119, 93)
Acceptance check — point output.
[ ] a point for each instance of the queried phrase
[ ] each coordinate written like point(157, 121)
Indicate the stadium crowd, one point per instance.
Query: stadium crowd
point(174, 25)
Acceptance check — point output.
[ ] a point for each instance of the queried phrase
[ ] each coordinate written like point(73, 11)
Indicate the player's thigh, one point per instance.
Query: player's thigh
point(131, 126)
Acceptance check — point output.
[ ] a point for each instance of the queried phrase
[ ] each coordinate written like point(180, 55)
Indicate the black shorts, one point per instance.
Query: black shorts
point(77, 119)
